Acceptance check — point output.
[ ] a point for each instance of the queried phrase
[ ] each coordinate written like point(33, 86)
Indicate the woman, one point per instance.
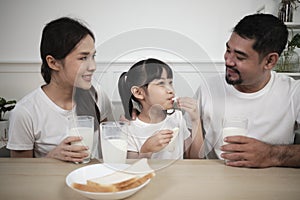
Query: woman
point(39, 122)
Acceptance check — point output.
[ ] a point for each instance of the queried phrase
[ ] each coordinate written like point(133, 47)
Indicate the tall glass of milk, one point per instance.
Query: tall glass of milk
point(234, 127)
point(114, 141)
point(82, 126)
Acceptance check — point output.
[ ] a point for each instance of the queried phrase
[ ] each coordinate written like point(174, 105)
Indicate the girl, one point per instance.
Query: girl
point(148, 84)
point(38, 124)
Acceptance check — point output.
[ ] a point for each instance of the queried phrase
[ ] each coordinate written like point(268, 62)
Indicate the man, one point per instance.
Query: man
point(270, 101)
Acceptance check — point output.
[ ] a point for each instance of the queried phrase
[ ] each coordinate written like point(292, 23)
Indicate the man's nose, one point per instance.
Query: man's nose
point(229, 60)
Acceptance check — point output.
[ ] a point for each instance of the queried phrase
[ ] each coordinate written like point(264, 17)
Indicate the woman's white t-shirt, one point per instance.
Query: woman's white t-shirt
point(38, 123)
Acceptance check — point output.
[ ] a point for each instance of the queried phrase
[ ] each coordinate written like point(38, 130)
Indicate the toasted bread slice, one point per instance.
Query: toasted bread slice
point(115, 180)
point(93, 188)
point(138, 182)
point(131, 177)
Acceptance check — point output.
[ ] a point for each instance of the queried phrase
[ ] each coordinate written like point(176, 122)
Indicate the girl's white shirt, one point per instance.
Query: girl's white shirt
point(140, 131)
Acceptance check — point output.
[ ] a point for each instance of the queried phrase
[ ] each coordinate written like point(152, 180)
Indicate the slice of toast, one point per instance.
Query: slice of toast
point(92, 188)
point(138, 182)
point(172, 144)
point(129, 178)
point(113, 181)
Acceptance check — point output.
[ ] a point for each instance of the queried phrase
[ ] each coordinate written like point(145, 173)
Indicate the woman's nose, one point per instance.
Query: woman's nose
point(92, 66)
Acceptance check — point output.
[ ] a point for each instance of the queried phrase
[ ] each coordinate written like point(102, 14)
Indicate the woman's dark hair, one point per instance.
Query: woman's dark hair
point(59, 38)
point(140, 74)
point(270, 34)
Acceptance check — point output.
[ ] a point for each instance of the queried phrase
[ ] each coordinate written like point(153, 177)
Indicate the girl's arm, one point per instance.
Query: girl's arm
point(197, 148)
point(195, 143)
point(21, 153)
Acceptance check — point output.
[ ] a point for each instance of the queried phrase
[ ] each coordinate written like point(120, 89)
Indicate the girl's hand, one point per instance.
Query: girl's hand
point(157, 142)
point(189, 105)
point(67, 152)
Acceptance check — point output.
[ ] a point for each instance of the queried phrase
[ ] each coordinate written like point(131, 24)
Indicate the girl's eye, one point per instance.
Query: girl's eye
point(83, 58)
point(161, 83)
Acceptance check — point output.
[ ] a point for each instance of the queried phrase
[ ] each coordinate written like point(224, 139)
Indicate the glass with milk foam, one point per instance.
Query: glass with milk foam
point(114, 141)
point(82, 126)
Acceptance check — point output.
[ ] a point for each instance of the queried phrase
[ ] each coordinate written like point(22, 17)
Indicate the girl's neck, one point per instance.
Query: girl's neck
point(152, 116)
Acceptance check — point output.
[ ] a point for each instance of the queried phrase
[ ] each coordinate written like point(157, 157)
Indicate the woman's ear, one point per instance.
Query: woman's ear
point(271, 60)
point(53, 63)
point(137, 92)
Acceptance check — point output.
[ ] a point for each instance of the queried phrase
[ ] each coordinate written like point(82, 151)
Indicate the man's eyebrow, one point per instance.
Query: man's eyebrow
point(237, 51)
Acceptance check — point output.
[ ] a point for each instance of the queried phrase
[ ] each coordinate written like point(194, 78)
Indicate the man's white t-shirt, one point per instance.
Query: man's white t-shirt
point(271, 112)
point(140, 131)
point(38, 123)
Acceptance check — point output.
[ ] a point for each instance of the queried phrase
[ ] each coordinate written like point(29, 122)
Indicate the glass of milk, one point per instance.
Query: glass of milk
point(234, 126)
point(82, 126)
point(114, 141)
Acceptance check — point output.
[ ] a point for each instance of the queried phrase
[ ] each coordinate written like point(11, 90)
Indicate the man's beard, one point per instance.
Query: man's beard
point(233, 82)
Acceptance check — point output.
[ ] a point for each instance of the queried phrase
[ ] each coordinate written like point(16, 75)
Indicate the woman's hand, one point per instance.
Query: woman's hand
point(157, 142)
point(67, 152)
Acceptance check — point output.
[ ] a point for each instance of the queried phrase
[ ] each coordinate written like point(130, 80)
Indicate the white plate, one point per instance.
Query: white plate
point(82, 174)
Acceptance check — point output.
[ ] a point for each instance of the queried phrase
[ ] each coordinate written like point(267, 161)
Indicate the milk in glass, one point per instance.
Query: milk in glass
point(233, 131)
point(114, 141)
point(82, 126)
point(115, 150)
